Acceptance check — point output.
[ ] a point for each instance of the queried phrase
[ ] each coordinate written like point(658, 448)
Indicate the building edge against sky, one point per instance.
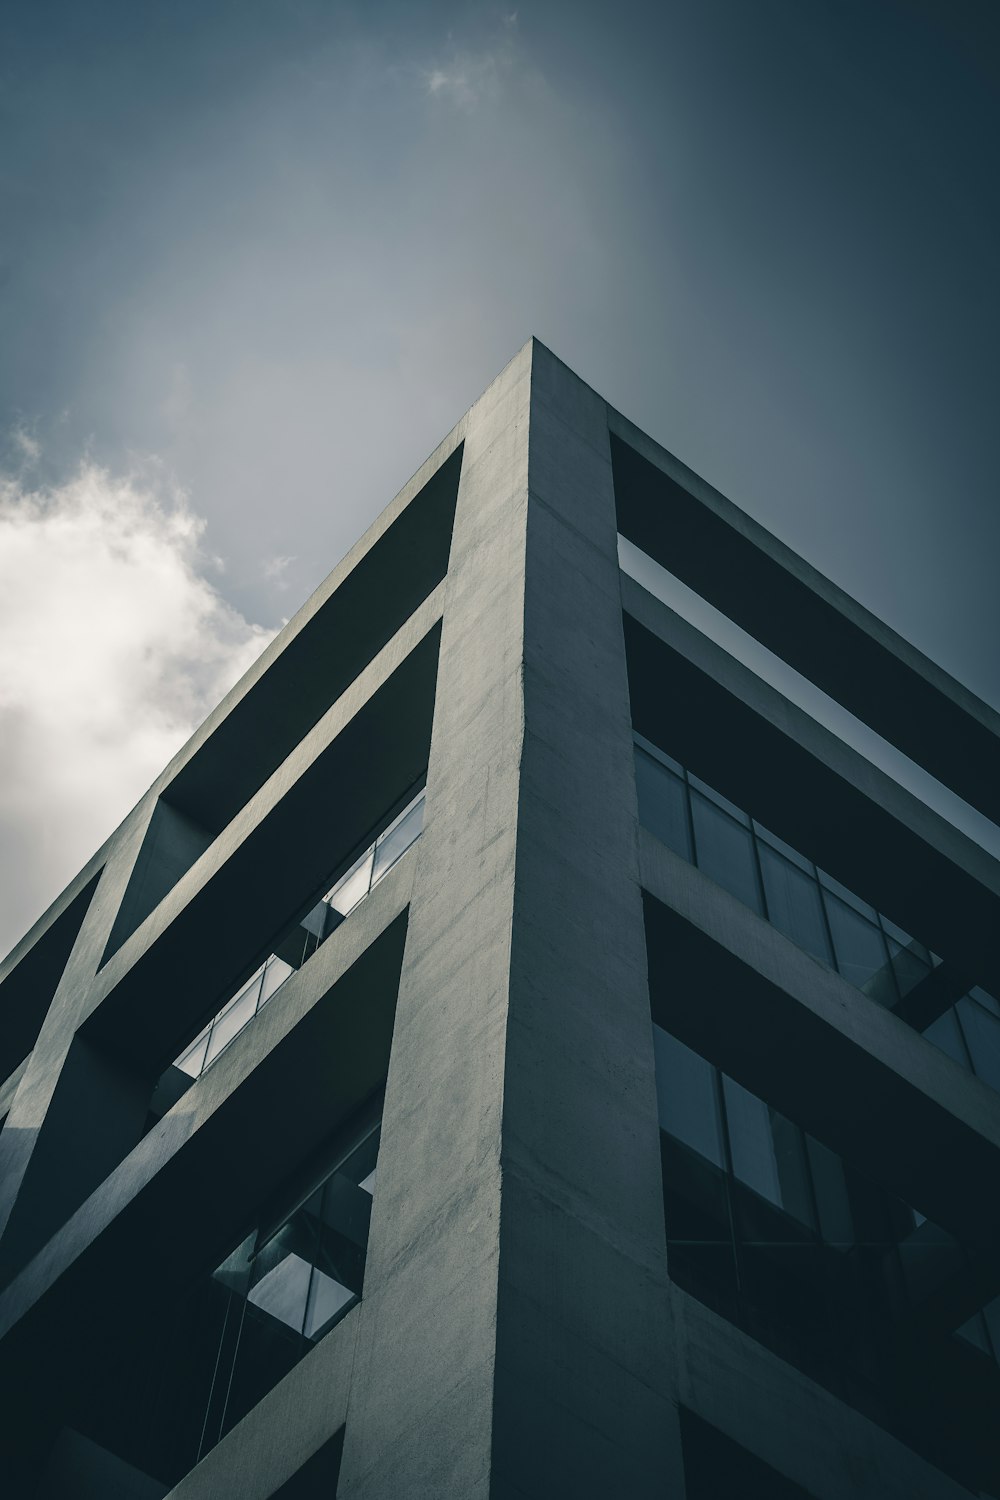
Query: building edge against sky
point(512, 1049)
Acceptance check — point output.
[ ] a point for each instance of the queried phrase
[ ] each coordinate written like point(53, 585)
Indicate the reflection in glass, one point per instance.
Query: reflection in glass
point(398, 838)
point(815, 911)
point(793, 903)
point(981, 1029)
point(662, 803)
point(947, 1036)
point(858, 944)
point(686, 1094)
point(193, 1060)
point(276, 971)
point(289, 1286)
point(352, 887)
point(233, 1019)
point(725, 850)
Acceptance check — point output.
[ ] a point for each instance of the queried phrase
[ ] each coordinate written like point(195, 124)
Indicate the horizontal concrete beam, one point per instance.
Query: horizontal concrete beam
point(735, 989)
point(9, 1089)
point(744, 1391)
point(730, 560)
point(284, 1430)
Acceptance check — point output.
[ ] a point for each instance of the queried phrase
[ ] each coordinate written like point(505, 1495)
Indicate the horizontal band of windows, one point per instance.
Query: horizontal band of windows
point(349, 889)
point(802, 1249)
point(795, 778)
point(815, 911)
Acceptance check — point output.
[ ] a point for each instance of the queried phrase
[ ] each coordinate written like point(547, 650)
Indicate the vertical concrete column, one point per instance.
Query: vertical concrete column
point(512, 1340)
point(71, 1104)
point(419, 1420)
point(584, 1375)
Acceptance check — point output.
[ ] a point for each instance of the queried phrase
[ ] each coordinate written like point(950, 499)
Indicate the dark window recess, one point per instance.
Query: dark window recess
point(353, 879)
point(318, 1476)
point(717, 1468)
point(224, 1341)
point(791, 1243)
point(816, 912)
point(29, 985)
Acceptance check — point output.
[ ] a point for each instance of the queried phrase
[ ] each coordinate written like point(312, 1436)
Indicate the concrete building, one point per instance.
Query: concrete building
point(513, 1050)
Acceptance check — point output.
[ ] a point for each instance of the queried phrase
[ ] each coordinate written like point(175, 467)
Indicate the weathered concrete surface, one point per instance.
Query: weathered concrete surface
point(420, 1414)
point(585, 1376)
point(284, 1430)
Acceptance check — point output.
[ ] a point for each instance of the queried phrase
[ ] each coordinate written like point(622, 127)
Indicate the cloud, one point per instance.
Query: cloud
point(276, 569)
point(24, 447)
point(114, 644)
point(467, 78)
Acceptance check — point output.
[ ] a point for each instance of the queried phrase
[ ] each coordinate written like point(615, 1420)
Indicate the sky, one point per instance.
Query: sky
point(258, 256)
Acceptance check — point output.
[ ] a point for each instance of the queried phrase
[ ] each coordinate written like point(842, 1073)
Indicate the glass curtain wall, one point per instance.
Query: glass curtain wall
point(818, 913)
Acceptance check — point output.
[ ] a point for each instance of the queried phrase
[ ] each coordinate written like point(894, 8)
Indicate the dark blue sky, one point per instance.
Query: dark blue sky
point(274, 250)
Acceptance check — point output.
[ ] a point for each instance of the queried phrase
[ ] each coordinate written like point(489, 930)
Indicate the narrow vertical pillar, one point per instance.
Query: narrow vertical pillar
point(40, 1172)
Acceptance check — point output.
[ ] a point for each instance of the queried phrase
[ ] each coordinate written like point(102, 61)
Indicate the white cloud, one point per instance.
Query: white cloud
point(26, 446)
point(113, 646)
point(467, 78)
point(276, 568)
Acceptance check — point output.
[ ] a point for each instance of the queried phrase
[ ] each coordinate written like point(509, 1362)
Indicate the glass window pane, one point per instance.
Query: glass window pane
point(793, 904)
point(192, 1061)
point(275, 974)
point(232, 1020)
point(685, 1091)
point(327, 1299)
point(793, 1175)
point(982, 1036)
point(945, 1035)
point(724, 850)
point(662, 804)
point(832, 1202)
point(767, 1152)
point(283, 1290)
point(398, 839)
point(905, 940)
point(720, 800)
point(908, 965)
point(658, 754)
point(750, 1140)
point(848, 896)
point(353, 886)
point(806, 865)
point(858, 945)
point(986, 999)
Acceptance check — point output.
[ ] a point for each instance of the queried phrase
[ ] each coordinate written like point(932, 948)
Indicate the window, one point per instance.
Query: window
point(228, 1338)
point(838, 1276)
point(815, 911)
point(362, 874)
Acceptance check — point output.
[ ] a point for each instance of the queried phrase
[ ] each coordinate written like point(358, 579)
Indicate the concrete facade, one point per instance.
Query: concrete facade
point(526, 1327)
